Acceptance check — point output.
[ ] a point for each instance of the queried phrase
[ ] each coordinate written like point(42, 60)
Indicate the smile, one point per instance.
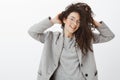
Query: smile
point(72, 28)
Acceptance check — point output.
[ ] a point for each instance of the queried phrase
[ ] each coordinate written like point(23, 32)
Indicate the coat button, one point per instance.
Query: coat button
point(81, 65)
point(86, 75)
point(95, 73)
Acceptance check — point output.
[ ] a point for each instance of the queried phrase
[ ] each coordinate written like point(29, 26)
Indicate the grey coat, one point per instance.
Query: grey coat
point(53, 44)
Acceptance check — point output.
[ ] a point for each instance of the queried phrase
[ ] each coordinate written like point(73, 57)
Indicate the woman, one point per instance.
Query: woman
point(69, 55)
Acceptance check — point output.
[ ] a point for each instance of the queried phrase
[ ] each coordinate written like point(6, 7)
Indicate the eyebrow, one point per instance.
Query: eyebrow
point(72, 16)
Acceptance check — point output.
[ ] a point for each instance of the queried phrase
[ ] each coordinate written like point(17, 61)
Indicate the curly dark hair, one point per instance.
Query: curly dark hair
point(84, 33)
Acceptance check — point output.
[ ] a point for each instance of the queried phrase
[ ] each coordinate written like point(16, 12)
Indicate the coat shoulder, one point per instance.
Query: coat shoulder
point(53, 35)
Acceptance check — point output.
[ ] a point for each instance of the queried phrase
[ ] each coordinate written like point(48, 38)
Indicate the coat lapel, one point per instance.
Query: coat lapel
point(58, 47)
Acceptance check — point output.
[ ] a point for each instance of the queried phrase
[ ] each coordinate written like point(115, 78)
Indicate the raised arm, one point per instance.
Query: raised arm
point(37, 30)
point(104, 35)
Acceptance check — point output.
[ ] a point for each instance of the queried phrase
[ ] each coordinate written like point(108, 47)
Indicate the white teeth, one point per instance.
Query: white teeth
point(72, 27)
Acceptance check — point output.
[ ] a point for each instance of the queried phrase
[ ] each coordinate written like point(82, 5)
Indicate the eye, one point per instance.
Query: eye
point(71, 19)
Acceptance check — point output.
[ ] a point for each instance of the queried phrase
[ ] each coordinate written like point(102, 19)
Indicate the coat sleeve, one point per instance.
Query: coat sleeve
point(104, 35)
point(37, 31)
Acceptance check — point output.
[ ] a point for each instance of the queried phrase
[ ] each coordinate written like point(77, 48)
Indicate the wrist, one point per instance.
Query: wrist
point(97, 24)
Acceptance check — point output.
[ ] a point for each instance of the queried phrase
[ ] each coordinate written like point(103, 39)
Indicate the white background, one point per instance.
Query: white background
point(20, 54)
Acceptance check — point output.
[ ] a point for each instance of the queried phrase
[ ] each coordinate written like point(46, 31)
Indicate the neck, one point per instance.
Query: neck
point(68, 35)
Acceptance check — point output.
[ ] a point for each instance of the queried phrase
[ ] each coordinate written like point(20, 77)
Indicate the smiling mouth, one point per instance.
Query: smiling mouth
point(72, 27)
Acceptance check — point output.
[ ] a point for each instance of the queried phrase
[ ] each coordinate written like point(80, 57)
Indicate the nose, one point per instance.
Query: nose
point(74, 22)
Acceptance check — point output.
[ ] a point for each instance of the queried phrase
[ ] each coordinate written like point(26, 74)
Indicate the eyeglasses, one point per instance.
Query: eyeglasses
point(72, 20)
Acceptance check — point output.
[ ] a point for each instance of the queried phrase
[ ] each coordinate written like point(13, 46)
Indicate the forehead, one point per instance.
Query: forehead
point(74, 15)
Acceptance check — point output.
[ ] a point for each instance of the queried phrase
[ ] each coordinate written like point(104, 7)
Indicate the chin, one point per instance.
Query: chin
point(72, 32)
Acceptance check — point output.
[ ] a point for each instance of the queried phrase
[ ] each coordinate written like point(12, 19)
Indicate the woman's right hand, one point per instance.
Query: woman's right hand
point(56, 20)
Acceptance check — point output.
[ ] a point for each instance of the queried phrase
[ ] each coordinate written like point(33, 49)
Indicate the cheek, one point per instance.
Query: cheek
point(67, 24)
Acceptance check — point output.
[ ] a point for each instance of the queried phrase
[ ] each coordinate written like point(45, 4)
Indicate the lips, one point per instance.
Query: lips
point(72, 27)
